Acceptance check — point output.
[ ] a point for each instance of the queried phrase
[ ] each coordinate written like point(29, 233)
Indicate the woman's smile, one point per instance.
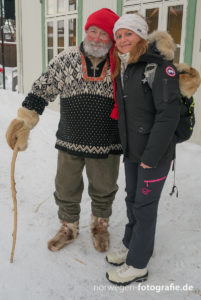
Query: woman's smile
point(125, 39)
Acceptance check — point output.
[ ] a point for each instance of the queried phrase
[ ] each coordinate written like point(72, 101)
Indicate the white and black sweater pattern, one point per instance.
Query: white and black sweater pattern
point(85, 126)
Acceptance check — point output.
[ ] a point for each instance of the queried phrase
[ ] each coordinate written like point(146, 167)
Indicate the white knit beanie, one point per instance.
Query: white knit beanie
point(132, 22)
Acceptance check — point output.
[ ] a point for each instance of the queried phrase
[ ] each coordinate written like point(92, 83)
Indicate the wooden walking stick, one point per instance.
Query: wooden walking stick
point(15, 152)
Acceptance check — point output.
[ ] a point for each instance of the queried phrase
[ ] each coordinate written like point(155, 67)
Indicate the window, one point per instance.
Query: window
point(50, 7)
point(61, 26)
point(130, 2)
point(72, 5)
point(60, 6)
point(174, 26)
point(165, 15)
point(72, 32)
point(152, 16)
point(132, 12)
point(50, 40)
point(60, 36)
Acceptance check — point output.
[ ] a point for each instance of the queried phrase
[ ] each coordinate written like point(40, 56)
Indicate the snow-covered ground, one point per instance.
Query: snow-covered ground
point(8, 77)
point(78, 271)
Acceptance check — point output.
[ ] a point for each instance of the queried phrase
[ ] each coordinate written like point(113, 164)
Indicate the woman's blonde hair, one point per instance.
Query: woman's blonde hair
point(136, 51)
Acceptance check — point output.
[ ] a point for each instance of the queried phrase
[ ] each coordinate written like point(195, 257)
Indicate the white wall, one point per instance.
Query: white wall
point(89, 6)
point(29, 46)
point(196, 62)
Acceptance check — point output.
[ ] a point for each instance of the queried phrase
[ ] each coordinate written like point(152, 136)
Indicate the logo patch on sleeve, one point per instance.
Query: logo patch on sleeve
point(170, 71)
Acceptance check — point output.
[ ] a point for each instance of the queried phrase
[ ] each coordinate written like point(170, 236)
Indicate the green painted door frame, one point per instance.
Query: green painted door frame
point(80, 21)
point(119, 7)
point(190, 26)
point(43, 34)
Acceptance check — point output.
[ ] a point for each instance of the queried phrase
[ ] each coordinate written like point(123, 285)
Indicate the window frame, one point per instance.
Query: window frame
point(63, 16)
point(183, 32)
point(163, 5)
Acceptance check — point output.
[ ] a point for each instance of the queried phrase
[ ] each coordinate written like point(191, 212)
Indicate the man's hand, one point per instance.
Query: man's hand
point(145, 166)
point(19, 129)
point(17, 132)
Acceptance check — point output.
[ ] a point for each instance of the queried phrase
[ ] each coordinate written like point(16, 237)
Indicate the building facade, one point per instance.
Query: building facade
point(46, 27)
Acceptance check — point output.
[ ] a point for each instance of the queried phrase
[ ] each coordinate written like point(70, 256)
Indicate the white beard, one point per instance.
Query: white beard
point(96, 49)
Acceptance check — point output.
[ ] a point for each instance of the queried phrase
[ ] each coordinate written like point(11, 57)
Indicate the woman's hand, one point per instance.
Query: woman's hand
point(145, 166)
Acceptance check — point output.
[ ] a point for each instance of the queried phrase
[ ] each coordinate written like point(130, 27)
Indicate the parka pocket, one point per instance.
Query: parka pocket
point(143, 128)
point(147, 182)
point(170, 89)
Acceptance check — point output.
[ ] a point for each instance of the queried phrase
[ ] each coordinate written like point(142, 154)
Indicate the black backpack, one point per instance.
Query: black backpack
point(186, 123)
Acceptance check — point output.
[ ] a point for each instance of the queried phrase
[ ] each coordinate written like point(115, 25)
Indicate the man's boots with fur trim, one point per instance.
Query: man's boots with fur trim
point(99, 232)
point(66, 234)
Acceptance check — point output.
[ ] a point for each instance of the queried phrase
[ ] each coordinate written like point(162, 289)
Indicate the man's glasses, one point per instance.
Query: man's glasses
point(101, 35)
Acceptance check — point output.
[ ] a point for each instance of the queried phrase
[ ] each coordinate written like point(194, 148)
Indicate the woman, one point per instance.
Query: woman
point(147, 122)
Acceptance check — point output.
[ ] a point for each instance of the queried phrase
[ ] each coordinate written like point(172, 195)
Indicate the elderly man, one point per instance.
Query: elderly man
point(87, 136)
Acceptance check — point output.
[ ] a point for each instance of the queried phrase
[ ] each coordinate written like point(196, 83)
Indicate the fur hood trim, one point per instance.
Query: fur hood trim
point(189, 79)
point(164, 43)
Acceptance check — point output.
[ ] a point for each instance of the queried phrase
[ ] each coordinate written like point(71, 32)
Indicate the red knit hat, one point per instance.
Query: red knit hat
point(103, 18)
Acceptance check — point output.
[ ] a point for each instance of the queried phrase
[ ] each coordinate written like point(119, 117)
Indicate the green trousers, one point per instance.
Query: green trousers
point(102, 177)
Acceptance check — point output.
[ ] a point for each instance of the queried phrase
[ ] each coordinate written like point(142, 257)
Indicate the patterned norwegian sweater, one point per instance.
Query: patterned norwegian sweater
point(85, 126)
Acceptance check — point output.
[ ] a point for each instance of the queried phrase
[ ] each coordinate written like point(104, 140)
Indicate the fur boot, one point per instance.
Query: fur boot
point(66, 234)
point(99, 232)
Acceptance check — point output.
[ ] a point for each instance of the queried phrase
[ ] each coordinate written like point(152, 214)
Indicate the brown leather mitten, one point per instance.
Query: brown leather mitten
point(19, 129)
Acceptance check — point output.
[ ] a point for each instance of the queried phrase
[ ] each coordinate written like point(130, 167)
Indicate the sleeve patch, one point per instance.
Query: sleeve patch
point(170, 71)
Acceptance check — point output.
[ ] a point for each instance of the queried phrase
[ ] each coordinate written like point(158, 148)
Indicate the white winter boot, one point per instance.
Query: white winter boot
point(66, 234)
point(117, 258)
point(125, 274)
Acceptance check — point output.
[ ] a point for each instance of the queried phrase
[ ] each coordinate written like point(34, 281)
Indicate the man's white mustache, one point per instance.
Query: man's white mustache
point(94, 44)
